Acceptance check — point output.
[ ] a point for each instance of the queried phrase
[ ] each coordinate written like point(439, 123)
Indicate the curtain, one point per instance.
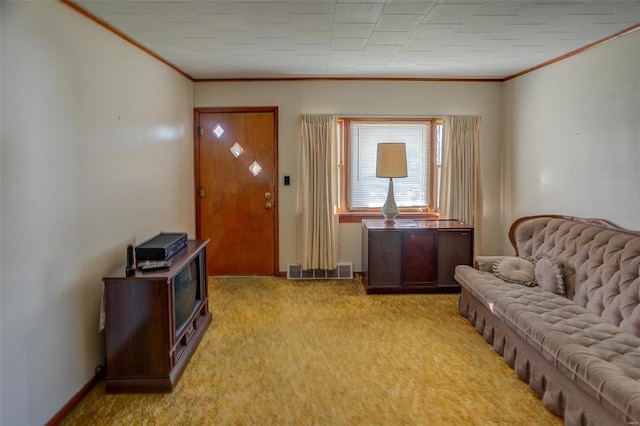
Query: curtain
point(460, 187)
point(317, 246)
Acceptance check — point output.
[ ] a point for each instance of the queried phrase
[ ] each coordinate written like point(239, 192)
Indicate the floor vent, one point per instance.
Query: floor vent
point(343, 271)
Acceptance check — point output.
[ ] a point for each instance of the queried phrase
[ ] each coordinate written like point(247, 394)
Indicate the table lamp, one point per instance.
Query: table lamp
point(391, 162)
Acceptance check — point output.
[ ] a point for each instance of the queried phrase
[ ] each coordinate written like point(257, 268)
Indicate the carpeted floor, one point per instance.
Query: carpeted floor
point(284, 352)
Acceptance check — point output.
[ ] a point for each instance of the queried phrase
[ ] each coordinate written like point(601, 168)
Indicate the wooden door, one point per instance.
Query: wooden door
point(236, 200)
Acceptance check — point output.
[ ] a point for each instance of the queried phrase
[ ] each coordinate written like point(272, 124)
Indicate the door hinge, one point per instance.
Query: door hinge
point(201, 131)
point(201, 192)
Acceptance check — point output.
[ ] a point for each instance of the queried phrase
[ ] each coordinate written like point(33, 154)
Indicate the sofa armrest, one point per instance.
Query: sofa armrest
point(484, 263)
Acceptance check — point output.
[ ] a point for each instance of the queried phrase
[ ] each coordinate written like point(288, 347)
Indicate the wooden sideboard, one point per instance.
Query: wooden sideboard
point(414, 256)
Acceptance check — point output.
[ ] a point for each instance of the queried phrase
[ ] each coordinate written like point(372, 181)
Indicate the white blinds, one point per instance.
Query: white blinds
point(369, 191)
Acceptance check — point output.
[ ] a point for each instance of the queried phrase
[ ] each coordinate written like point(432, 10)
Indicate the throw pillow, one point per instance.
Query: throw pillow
point(515, 270)
point(549, 275)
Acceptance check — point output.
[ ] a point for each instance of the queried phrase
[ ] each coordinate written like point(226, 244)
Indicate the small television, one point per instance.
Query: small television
point(188, 292)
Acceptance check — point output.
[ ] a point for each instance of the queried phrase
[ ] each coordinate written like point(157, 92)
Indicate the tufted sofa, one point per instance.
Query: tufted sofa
point(580, 353)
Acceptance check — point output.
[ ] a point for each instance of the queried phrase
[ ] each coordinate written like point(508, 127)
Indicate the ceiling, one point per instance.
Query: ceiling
point(475, 39)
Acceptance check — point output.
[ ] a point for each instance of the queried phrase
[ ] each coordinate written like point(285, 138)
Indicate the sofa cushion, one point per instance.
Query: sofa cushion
point(515, 270)
point(548, 275)
point(602, 357)
point(601, 266)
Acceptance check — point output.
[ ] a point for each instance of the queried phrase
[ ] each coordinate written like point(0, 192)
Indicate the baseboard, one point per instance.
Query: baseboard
point(75, 400)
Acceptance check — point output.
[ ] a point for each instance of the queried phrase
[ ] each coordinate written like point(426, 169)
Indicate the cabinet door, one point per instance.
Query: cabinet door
point(419, 256)
point(385, 258)
point(455, 247)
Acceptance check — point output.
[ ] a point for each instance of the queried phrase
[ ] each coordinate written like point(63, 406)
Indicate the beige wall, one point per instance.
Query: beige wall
point(572, 137)
point(97, 152)
point(364, 98)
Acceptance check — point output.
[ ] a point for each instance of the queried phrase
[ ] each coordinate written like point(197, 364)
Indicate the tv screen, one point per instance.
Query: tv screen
point(186, 292)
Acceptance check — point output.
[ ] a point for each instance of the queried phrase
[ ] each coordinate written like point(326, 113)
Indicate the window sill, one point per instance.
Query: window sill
point(357, 217)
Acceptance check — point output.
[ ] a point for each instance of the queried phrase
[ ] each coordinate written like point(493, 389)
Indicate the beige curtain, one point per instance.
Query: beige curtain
point(317, 246)
point(460, 186)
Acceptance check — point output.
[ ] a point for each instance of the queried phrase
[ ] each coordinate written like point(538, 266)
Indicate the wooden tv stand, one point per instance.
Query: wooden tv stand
point(145, 352)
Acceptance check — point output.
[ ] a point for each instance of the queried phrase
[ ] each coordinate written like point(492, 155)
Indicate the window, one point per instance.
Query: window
point(361, 190)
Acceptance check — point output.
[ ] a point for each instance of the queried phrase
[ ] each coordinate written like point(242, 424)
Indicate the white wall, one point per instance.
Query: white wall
point(383, 98)
point(97, 152)
point(572, 137)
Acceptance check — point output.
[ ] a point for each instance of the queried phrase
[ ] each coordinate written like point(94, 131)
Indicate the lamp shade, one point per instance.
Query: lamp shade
point(391, 160)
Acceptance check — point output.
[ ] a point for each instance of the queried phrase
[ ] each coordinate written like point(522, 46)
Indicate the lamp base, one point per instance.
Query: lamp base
point(390, 209)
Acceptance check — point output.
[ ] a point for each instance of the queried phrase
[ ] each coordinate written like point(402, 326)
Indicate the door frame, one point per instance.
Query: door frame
point(276, 179)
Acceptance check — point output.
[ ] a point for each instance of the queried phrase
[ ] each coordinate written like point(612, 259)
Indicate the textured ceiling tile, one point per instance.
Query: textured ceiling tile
point(389, 37)
point(353, 30)
point(348, 43)
point(312, 49)
point(375, 60)
point(358, 13)
point(265, 12)
point(218, 22)
point(434, 31)
point(483, 24)
point(380, 50)
point(408, 7)
point(202, 43)
point(307, 21)
point(456, 37)
point(450, 13)
point(170, 12)
point(421, 45)
point(213, 6)
point(283, 44)
point(312, 37)
point(398, 22)
point(271, 30)
point(188, 29)
point(325, 6)
point(503, 8)
point(234, 37)
point(345, 55)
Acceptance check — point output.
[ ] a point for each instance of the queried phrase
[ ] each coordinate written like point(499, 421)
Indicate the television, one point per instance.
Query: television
point(154, 321)
point(188, 292)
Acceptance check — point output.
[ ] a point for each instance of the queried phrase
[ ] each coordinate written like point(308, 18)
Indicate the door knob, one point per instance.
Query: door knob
point(268, 206)
point(267, 195)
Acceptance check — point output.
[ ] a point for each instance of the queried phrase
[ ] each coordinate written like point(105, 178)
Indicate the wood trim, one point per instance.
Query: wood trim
point(387, 79)
point(122, 35)
point(76, 399)
point(276, 190)
point(577, 51)
point(357, 217)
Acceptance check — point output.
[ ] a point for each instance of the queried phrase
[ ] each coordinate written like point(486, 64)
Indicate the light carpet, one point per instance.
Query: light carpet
point(282, 352)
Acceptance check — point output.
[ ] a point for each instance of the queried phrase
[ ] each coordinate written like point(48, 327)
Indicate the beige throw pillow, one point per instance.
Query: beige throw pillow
point(515, 270)
point(549, 276)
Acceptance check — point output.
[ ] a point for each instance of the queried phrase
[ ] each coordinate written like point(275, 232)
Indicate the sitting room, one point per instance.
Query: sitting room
point(121, 120)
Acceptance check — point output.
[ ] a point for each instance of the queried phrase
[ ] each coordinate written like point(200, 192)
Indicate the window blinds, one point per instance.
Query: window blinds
point(369, 191)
